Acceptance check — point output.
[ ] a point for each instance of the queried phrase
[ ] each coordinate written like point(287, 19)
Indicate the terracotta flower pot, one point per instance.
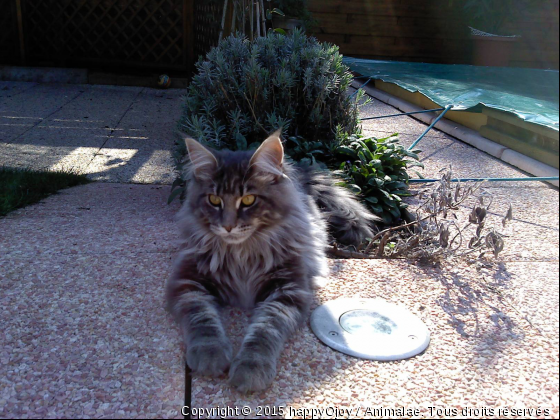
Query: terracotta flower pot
point(492, 50)
point(287, 23)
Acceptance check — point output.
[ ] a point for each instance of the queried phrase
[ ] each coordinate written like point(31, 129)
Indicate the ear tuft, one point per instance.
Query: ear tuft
point(203, 161)
point(269, 157)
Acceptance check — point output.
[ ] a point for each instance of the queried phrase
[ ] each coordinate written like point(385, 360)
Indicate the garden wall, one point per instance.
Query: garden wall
point(426, 31)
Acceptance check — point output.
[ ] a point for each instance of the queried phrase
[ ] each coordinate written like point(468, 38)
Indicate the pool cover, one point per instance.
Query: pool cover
point(531, 94)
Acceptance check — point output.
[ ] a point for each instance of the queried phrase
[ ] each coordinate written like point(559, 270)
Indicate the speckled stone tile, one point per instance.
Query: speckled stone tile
point(84, 329)
point(494, 327)
point(85, 334)
point(488, 349)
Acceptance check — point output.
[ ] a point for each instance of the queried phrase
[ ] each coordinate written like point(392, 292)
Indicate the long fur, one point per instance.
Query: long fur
point(349, 222)
point(270, 272)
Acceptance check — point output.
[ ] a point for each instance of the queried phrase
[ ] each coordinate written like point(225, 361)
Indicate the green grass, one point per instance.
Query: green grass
point(22, 187)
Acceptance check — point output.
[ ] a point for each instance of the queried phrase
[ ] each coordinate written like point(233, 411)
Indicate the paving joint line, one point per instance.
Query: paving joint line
point(25, 90)
point(47, 117)
point(110, 135)
point(444, 136)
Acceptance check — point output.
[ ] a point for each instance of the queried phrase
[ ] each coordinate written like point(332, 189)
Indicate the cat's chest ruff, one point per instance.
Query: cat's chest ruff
point(240, 272)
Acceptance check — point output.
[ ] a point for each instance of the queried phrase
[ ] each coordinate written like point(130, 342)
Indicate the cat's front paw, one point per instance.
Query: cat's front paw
point(209, 358)
point(251, 372)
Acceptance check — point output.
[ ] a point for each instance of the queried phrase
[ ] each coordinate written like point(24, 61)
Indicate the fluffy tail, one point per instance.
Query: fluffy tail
point(350, 223)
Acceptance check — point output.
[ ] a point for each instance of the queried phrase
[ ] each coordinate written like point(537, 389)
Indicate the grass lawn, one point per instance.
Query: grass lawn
point(22, 187)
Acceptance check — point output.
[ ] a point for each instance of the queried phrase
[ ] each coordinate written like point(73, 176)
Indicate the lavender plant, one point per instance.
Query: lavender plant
point(438, 230)
point(243, 90)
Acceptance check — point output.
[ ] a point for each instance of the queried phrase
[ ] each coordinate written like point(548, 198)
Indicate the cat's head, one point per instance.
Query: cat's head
point(237, 195)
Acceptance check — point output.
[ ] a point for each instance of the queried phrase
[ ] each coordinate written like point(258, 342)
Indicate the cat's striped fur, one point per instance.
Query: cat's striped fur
point(262, 257)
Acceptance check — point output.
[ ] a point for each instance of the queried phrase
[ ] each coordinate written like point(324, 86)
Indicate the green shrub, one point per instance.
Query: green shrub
point(294, 9)
point(244, 90)
point(376, 169)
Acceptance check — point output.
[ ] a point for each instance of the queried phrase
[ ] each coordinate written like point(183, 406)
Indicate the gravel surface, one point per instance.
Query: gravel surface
point(494, 325)
point(84, 330)
point(85, 334)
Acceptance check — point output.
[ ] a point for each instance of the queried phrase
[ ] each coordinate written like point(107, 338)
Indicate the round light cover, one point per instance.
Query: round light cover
point(370, 329)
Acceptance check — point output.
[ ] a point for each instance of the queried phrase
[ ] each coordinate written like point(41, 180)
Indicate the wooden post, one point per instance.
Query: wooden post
point(20, 31)
point(188, 34)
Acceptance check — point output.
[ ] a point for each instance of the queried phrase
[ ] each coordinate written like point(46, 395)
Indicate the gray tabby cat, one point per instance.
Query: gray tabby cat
point(255, 230)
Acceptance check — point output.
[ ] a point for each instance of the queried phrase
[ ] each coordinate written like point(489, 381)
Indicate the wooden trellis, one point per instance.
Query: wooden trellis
point(130, 33)
point(10, 52)
point(207, 18)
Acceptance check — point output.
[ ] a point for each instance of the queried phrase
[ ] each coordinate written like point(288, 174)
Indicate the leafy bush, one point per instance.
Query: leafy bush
point(294, 8)
point(441, 227)
point(244, 90)
point(377, 171)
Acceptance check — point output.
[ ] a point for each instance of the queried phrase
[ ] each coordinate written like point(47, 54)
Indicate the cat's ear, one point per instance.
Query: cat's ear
point(203, 161)
point(269, 157)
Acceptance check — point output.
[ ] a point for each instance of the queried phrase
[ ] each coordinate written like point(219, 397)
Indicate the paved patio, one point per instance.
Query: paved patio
point(85, 333)
point(111, 133)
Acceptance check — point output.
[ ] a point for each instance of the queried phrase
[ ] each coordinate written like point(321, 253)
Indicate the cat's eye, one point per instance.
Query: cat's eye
point(248, 200)
point(215, 200)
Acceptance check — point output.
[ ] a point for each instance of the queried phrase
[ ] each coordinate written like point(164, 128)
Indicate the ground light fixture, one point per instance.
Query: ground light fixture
point(370, 329)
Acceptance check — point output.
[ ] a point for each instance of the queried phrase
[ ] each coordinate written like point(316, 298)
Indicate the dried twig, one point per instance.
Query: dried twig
point(383, 232)
point(341, 253)
point(436, 232)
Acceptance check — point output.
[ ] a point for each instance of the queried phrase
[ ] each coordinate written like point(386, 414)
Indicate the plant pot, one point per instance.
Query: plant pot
point(492, 50)
point(287, 23)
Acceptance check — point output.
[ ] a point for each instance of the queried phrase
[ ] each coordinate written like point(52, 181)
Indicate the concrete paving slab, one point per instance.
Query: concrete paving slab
point(441, 151)
point(490, 325)
point(163, 106)
point(142, 165)
point(19, 156)
point(11, 127)
point(402, 125)
point(105, 106)
point(40, 100)
point(9, 88)
point(145, 155)
point(112, 133)
point(151, 140)
point(84, 330)
point(483, 352)
point(78, 264)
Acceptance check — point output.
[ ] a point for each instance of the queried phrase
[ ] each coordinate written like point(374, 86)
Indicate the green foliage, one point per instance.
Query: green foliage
point(294, 8)
point(244, 90)
point(22, 187)
point(499, 17)
point(376, 169)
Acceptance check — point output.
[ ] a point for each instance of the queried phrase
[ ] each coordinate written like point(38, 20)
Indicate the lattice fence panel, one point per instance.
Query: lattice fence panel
point(9, 36)
point(207, 21)
point(148, 33)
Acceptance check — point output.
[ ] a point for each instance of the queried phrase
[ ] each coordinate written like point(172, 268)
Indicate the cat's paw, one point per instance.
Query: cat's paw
point(251, 372)
point(210, 358)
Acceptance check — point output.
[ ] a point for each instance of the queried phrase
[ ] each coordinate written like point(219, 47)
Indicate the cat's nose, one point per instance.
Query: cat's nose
point(228, 228)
